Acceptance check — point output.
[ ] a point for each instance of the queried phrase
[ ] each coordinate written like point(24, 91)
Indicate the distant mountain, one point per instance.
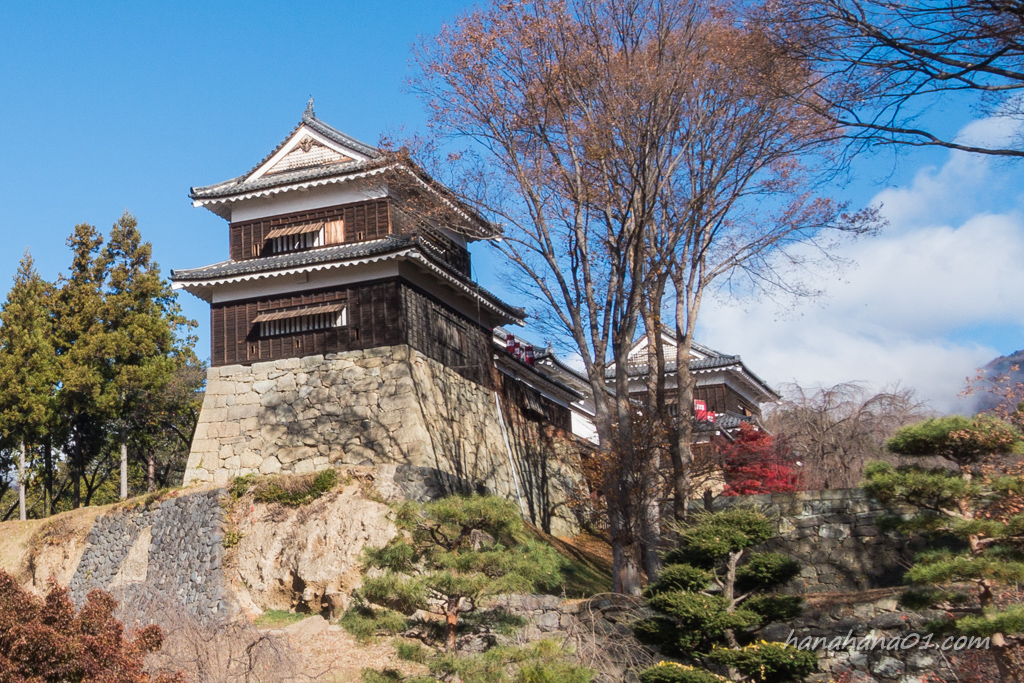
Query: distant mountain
point(1004, 365)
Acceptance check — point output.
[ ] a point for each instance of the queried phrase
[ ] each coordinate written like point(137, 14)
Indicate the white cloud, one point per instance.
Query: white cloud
point(950, 261)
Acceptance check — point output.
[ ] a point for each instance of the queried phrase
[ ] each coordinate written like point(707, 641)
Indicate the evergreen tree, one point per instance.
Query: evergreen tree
point(712, 596)
point(453, 552)
point(28, 372)
point(84, 398)
point(141, 346)
point(981, 503)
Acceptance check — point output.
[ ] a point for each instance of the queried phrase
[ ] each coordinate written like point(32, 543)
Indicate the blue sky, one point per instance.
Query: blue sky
point(112, 106)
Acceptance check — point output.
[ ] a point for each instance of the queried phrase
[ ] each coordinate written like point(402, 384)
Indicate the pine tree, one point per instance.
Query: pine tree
point(28, 371)
point(141, 347)
point(453, 552)
point(981, 503)
point(83, 398)
point(712, 596)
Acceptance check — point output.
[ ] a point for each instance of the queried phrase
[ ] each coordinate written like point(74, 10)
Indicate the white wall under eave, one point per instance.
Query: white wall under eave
point(320, 197)
point(285, 284)
point(583, 426)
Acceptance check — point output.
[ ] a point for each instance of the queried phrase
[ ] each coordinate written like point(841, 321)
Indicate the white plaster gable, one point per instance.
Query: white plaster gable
point(638, 352)
point(306, 148)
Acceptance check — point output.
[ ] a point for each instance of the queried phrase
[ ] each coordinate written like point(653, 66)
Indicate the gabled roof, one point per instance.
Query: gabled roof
point(312, 151)
point(315, 154)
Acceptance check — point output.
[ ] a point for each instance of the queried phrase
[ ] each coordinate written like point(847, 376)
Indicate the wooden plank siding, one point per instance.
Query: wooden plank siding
point(363, 221)
point(381, 313)
point(373, 320)
point(447, 336)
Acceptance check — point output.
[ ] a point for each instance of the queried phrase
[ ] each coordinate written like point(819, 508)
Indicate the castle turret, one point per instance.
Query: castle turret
point(346, 329)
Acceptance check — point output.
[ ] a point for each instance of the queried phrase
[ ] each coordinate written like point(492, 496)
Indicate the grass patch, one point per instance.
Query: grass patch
point(291, 490)
point(586, 572)
point(278, 618)
point(231, 538)
point(365, 623)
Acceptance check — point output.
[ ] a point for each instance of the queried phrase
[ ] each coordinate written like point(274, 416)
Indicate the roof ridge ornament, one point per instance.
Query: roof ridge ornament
point(308, 114)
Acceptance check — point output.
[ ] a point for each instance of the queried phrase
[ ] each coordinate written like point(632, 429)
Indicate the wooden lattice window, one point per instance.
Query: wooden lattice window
point(295, 321)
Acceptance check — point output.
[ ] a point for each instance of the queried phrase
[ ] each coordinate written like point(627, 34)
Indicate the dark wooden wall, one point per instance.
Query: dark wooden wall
point(364, 221)
point(447, 336)
point(721, 398)
point(374, 319)
point(518, 394)
point(381, 313)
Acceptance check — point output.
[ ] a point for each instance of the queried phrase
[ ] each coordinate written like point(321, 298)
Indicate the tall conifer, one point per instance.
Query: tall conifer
point(83, 397)
point(142, 317)
point(29, 372)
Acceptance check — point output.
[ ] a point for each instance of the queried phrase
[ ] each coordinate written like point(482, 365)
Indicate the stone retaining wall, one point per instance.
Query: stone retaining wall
point(894, 658)
point(834, 535)
point(382, 406)
point(871, 614)
point(171, 549)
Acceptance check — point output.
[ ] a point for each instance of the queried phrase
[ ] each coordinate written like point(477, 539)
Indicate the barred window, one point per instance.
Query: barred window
point(306, 240)
point(308, 319)
point(295, 238)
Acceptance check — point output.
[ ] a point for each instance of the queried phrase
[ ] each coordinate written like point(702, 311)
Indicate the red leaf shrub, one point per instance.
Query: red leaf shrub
point(757, 462)
point(43, 640)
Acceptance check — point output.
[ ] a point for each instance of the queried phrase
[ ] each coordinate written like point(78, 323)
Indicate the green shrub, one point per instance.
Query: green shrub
point(241, 485)
point(671, 672)
point(411, 652)
point(772, 608)
point(767, 662)
point(231, 538)
point(365, 622)
point(385, 676)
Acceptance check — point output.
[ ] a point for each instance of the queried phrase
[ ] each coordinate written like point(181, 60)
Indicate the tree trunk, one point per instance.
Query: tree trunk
point(151, 471)
point(451, 622)
point(47, 477)
point(77, 470)
point(1004, 659)
point(682, 455)
point(626, 568)
point(729, 593)
point(124, 465)
point(22, 515)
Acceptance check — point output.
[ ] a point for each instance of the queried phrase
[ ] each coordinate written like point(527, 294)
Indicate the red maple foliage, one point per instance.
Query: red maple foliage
point(43, 640)
point(757, 462)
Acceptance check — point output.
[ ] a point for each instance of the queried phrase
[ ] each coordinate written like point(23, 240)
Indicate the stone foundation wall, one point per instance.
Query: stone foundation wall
point(834, 535)
point(383, 406)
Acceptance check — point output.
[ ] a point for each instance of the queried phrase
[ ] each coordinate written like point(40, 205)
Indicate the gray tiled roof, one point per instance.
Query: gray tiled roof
point(338, 253)
point(239, 186)
point(341, 252)
point(710, 363)
point(728, 421)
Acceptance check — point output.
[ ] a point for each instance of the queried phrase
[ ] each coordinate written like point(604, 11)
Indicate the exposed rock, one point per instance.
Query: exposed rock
point(303, 558)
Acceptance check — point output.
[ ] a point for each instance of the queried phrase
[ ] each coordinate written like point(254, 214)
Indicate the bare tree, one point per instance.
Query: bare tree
point(834, 431)
point(740, 211)
point(569, 108)
point(625, 145)
point(883, 63)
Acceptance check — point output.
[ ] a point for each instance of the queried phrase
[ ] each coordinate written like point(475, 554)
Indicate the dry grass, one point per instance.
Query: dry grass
point(334, 656)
